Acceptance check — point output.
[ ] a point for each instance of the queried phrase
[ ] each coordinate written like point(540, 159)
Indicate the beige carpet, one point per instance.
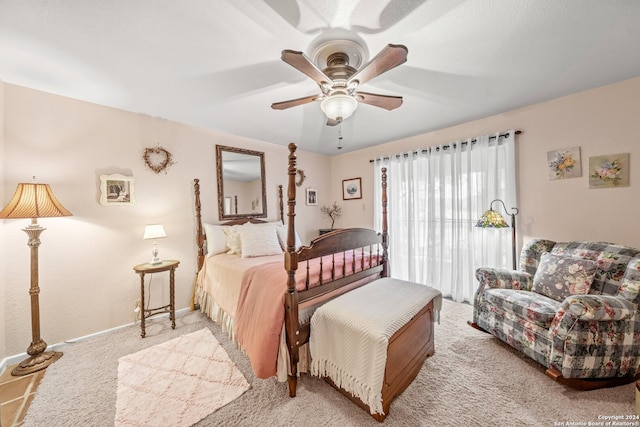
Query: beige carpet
point(180, 382)
point(472, 380)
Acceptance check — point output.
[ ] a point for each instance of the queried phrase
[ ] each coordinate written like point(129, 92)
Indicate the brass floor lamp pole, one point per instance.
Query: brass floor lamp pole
point(39, 358)
point(34, 201)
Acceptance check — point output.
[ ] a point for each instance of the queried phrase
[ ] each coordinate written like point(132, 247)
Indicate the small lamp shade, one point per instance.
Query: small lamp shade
point(33, 201)
point(492, 219)
point(154, 231)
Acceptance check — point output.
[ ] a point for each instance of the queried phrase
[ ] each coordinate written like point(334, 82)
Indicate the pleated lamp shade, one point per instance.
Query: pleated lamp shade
point(33, 200)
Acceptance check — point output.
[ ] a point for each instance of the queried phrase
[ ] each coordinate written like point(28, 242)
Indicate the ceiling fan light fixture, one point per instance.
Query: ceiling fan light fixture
point(339, 106)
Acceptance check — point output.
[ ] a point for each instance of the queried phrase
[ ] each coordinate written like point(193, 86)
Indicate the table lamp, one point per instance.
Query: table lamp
point(154, 231)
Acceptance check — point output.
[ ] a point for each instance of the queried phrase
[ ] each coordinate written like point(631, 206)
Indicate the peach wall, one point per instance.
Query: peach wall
point(86, 277)
point(601, 121)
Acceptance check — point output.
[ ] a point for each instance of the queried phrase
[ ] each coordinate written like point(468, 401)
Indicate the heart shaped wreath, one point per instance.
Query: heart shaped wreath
point(157, 158)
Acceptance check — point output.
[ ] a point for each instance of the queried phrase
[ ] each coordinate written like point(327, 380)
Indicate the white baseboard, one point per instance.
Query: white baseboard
point(17, 358)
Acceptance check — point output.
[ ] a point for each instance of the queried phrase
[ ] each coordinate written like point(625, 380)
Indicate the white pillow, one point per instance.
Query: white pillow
point(264, 224)
point(233, 239)
point(216, 239)
point(282, 236)
point(259, 241)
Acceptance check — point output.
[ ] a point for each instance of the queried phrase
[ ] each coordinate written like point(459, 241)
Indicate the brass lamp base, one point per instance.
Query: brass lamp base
point(36, 363)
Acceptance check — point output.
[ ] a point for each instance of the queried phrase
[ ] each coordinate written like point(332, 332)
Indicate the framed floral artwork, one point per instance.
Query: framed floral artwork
point(117, 190)
point(609, 171)
point(564, 163)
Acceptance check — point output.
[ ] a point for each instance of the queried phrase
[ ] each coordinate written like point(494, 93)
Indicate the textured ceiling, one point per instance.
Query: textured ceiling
point(216, 64)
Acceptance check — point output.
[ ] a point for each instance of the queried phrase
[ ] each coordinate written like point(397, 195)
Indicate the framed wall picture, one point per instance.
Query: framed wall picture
point(609, 171)
point(564, 163)
point(352, 189)
point(312, 196)
point(116, 190)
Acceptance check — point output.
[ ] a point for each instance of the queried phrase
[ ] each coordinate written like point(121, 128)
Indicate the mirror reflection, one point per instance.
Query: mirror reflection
point(241, 183)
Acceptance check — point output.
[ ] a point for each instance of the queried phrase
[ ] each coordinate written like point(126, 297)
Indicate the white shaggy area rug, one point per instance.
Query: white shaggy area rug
point(180, 382)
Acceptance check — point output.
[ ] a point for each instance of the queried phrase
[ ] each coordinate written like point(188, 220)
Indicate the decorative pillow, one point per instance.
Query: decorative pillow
point(560, 276)
point(216, 239)
point(282, 237)
point(233, 239)
point(259, 241)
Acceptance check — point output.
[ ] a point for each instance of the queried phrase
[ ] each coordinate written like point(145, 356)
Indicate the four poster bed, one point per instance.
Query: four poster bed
point(267, 309)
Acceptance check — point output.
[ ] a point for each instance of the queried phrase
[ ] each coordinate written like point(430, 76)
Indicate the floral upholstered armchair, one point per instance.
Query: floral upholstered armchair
point(571, 306)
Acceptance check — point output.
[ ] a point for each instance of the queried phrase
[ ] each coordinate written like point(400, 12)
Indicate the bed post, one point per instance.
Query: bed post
point(280, 202)
point(291, 265)
point(385, 233)
point(199, 233)
point(199, 242)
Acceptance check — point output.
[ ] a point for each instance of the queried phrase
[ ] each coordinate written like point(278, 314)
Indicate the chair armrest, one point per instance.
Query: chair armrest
point(598, 308)
point(600, 326)
point(590, 308)
point(503, 279)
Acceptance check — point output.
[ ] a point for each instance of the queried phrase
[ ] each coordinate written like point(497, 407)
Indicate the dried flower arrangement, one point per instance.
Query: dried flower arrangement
point(157, 159)
point(333, 212)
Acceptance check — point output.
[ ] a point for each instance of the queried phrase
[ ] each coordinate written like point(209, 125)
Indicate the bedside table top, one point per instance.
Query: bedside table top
point(163, 266)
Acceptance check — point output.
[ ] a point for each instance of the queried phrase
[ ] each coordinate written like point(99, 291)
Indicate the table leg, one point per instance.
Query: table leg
point(172, 297)
point(143, 333)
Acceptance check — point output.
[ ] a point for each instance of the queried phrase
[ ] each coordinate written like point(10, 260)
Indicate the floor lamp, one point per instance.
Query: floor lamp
point(34, 201)
point(492, 219)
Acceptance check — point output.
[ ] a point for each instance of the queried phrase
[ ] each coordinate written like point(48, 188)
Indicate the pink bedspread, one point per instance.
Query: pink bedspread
point(260, 311)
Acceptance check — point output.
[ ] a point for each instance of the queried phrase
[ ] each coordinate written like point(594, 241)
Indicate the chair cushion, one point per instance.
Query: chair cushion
point(560, 276)
point(531, 306)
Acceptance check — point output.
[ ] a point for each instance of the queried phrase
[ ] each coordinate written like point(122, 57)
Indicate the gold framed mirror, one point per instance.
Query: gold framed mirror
point(241, 183)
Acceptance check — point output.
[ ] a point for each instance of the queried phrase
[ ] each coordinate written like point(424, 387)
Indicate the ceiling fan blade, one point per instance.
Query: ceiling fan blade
point(390, 57)
point(300, 61)
point(294, 102)
point(383, 101)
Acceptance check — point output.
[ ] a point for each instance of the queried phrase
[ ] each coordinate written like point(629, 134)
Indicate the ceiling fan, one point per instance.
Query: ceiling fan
point(339, 80)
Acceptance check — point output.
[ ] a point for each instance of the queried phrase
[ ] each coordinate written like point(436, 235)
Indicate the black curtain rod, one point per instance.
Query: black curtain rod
point(444, 147)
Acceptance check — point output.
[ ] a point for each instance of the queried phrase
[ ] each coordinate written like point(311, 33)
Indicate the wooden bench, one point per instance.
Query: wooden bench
point(370, 343)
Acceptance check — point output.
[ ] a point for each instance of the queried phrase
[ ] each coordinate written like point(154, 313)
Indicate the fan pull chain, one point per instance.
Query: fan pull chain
point(340, 135)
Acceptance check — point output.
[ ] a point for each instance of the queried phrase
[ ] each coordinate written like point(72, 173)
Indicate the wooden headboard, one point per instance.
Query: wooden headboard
point(201, 237)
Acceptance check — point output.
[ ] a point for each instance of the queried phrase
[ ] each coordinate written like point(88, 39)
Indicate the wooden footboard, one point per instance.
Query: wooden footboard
point(366, 249)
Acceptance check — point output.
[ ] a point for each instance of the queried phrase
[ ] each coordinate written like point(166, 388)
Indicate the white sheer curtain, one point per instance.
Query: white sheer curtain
point(435, 198)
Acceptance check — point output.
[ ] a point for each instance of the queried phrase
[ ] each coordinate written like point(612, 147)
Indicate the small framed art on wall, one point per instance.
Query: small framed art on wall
point(352, 189)
point(117, 190)
point(312, 196)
